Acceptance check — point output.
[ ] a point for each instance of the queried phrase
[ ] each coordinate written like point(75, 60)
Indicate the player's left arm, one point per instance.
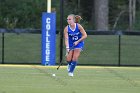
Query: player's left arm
point(84, 34)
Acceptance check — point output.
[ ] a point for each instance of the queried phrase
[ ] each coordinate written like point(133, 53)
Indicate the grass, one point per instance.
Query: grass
point(87, 79)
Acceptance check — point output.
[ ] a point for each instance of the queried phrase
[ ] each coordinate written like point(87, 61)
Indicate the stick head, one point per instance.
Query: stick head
point(58, 67)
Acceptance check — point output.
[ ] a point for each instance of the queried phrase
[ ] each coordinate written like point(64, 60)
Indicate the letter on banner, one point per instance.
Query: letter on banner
point(48, 38)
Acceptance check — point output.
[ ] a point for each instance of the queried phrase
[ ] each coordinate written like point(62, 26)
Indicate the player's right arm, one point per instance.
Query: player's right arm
point(66, 38)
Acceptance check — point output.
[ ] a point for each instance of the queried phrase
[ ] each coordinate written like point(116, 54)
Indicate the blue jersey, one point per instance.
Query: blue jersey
point(75, 35)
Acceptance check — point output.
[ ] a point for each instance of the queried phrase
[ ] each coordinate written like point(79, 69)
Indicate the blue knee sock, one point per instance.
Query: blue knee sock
point(73, 65)
point(69, 62)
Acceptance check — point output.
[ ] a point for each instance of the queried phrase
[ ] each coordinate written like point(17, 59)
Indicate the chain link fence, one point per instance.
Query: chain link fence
point(101, 48)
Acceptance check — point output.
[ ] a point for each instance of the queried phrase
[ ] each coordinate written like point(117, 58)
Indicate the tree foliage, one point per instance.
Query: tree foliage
point(21, 13)
point(115, 8)
point(27, 13)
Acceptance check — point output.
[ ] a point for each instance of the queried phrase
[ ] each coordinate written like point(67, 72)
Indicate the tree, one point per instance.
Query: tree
point(101, 14)
point(21, 13)
point(132, 13)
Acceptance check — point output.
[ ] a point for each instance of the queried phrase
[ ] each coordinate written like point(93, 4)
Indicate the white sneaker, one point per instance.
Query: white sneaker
point(70, 74)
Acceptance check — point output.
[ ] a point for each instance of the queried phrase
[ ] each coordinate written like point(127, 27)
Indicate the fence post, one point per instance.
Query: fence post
point(119, 52)
point(2, 48)
point(61, 31)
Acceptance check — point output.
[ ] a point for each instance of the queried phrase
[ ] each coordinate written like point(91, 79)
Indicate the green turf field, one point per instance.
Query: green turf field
point(87, 79)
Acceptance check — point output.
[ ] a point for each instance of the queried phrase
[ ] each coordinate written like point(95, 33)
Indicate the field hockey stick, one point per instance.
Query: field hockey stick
point(66, 55)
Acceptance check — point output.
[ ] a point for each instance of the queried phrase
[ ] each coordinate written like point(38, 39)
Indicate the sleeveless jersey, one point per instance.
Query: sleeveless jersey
point(75, 35)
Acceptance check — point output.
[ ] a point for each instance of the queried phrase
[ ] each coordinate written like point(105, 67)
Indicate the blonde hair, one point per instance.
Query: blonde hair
point(76, 18)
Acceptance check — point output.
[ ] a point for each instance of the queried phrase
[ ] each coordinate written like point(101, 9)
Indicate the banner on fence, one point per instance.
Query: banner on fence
point(48, 38)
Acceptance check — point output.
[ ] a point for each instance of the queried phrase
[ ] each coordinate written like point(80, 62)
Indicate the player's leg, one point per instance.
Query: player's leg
point(75, 57)
point(69, 59)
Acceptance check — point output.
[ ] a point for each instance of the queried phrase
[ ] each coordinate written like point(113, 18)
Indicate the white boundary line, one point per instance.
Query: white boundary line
point(85, 67)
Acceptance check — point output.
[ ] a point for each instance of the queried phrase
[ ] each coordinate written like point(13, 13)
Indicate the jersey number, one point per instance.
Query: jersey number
point(75, 38)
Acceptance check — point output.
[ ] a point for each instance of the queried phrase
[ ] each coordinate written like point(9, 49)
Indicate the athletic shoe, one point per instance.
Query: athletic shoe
point(70, 74)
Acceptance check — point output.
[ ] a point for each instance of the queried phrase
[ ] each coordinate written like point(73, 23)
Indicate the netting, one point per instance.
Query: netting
point(99, 49)
point(22, 48)
point(130, 50)
point(0, 48)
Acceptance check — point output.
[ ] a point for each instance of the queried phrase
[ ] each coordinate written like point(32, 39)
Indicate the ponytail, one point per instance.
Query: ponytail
point(77, 18)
